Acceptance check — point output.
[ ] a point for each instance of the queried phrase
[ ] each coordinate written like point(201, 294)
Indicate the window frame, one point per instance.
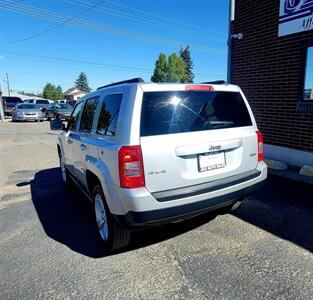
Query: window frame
point(78, 121)
point(303, 106)
point(98, 116)
point(91, 131)
point(305, 63)
point(103, 96)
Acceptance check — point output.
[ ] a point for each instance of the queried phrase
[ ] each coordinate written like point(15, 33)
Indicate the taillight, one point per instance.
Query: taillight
point(4, 105)
point(260, 145)
point(131, 167)
point(199, 87)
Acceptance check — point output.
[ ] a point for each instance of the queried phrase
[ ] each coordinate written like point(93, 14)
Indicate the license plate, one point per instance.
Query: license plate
point(211, 161)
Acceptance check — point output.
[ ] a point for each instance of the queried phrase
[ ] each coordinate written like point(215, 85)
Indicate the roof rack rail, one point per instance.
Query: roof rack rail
point(133, 80)
point(215, 82)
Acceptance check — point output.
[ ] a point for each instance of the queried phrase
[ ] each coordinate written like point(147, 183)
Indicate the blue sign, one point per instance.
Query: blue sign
point(295, 16)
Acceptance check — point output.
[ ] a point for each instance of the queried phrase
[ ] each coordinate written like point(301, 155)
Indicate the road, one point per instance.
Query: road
point(49, 246)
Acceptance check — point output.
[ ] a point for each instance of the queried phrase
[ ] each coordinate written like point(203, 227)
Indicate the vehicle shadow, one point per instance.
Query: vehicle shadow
point(67, 217)
point(284, 208)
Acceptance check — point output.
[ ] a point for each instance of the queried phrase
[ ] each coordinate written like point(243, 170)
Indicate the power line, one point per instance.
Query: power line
point(143, 20)
point(53, 27)
point(90, 63)
point(115, 31)
point(29, 10)
point(162, 17)
point(73, 61)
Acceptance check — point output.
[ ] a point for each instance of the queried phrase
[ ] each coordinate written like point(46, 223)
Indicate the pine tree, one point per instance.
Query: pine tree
point(176, 69)
point(160, 69)
point(82, 83)
point(186, 57)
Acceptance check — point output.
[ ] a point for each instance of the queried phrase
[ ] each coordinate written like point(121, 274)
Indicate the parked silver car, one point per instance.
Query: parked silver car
point(27, 112)
point(59, 111)
point(147, 154)
point(41, 103)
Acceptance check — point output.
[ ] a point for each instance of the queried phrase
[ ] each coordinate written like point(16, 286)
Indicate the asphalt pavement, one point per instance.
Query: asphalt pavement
point(50, 249)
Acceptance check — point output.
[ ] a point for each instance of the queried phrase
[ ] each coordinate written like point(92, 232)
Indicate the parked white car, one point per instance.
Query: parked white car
point(61, 101)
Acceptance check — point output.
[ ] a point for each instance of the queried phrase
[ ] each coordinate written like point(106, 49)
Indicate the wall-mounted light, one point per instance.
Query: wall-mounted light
point(237, 36)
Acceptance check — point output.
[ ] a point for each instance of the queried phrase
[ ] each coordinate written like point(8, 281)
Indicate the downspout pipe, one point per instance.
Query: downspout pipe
point(231, 17)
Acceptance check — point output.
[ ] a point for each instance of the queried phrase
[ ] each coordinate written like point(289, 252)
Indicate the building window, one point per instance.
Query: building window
point(308, 76)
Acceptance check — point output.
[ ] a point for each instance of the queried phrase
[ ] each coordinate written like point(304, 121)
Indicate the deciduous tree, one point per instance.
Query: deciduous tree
point(52, 92)
point(160, 69)
point(176, 69)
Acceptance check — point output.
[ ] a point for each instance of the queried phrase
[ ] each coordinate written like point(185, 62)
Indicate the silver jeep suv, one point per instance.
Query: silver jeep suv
point(147, 154)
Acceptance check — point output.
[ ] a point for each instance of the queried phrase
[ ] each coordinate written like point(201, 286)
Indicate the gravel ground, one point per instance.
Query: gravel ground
point(49, 245)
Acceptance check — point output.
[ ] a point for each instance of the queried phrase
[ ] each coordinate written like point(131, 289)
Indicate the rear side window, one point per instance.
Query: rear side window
point(88, 114)
point(74, 117)
point(42, 102)
point(109, 114)
point(12, 100)
point(187, 111)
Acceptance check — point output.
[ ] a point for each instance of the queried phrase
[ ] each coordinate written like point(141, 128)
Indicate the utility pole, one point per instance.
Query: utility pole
point(1, 107)
point(8, 83)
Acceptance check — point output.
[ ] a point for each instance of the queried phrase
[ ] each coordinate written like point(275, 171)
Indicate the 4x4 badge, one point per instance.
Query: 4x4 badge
point(157, 172)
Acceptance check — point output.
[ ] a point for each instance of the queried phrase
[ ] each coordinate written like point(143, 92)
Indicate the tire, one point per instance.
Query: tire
point(112, 235)
point(67, 180)
point(48, 118)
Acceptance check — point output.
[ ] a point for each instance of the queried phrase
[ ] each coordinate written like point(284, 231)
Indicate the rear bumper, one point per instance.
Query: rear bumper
point(8, 112)
point(137, 220)
point(35, 118)
point(63, 117)
point(142, 209)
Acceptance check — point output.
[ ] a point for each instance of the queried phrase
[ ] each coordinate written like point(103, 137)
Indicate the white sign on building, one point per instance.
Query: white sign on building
point(295, 16)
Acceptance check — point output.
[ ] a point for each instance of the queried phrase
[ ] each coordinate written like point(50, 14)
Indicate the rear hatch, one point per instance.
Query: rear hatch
point(194, 136)
point(10, 102)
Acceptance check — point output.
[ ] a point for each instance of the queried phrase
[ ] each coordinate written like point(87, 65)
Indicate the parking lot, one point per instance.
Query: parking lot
point(49, 246)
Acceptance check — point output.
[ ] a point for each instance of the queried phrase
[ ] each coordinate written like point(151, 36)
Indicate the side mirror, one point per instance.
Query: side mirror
point(57, 125)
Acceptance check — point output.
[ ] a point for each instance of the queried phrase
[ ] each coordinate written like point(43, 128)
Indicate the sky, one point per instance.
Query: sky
point(110, 40)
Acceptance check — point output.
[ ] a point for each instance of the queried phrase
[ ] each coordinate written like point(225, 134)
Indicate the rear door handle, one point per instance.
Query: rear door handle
point(82, 147)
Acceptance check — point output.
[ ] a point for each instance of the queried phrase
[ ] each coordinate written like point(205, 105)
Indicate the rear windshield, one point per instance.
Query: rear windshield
point(186, 111)
point(12, 99)
point(62, 106)
point(27, 106)
point(42, 102)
